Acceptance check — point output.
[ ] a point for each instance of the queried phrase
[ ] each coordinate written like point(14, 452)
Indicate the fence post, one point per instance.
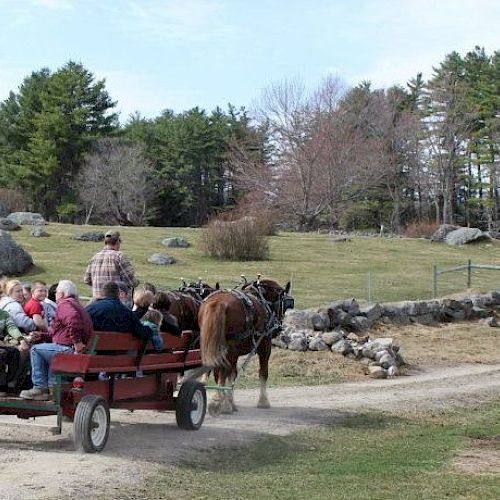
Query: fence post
point(369, 287)
point(434, 283)
point(469, 273)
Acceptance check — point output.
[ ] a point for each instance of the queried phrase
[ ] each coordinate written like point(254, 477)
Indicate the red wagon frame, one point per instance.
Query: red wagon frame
point(136, 378)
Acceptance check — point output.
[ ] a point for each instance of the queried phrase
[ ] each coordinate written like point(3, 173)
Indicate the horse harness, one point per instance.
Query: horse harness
point(272, 323)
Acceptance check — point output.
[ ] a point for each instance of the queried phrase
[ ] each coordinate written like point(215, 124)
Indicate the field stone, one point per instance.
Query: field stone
point(372, 312)
point(442, 231)
point(298, 343)
point(8, 225)
point(339, 317)
point(161, 259)
point(359, 323)
point(176, 242)
point(342, 346)
point(377, 372)
point(39, 232)
point(320, 321)
point(386, 360)
point(281, 341)
point(25, 218)
point(329, 338)
point(14, 258)
point(491, 321)
point(90, 236)
point(464, 235)
point(317, 344)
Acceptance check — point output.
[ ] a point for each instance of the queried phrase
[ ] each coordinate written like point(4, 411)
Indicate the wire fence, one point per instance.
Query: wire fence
point(466, 269)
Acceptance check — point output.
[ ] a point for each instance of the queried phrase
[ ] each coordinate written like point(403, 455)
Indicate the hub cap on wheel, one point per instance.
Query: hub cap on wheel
point(197, 407)
point(99, 426)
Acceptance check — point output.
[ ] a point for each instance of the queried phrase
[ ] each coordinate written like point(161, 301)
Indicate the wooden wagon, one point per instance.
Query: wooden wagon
point(118, 371)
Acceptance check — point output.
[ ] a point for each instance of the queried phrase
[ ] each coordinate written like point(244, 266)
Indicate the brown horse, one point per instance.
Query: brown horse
point(184, 303)
point(234, 323)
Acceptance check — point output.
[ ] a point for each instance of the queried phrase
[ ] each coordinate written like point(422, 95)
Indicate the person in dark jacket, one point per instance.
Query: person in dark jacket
point(110, 315)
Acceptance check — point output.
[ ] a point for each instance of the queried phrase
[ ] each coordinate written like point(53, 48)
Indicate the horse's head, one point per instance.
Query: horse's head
point(198, 289)
point(279, 298)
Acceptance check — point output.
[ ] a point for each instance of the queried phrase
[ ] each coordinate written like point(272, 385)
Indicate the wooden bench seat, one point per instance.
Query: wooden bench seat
point(100, 355)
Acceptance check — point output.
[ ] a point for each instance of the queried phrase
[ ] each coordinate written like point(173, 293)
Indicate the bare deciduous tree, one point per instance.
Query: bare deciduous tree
point(115, 182)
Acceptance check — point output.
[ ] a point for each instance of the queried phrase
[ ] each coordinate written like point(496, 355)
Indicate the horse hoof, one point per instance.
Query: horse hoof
point(235, 408)
point(214, 410)
point(263, 404)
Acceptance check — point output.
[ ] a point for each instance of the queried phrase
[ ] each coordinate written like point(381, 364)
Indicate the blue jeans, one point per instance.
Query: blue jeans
point(41, 357)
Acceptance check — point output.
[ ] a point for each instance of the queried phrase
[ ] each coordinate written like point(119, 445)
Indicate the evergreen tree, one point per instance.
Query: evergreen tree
point(45, 130)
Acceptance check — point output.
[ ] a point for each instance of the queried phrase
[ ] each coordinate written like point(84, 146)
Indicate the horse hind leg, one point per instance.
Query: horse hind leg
point(264, 355)
point(215, 404)
point(226, 401)
point(230, 394)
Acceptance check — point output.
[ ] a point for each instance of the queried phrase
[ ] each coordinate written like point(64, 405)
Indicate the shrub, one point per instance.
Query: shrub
point(241, 239)
point(422, 229)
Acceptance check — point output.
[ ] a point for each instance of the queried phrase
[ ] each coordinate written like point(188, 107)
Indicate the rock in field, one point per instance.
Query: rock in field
point(14, 258)
point(161, 259)
point(25, 218)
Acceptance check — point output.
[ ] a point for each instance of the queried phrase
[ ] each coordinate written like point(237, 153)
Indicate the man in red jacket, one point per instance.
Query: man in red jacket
point(69, 332)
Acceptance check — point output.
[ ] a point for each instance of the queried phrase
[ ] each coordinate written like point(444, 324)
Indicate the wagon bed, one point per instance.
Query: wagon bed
point(108, 375)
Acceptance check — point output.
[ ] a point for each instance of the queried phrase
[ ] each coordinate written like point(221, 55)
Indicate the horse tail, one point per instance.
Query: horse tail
point(213, 334)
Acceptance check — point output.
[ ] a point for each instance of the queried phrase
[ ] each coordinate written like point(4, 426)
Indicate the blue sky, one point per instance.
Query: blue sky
point(159, 54)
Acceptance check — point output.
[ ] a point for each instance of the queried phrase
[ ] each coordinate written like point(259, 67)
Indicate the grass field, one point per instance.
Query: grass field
point(321, 271)
point(366, 456)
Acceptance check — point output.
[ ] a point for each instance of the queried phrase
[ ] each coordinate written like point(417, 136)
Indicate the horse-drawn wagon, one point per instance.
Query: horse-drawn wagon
point(118, 371)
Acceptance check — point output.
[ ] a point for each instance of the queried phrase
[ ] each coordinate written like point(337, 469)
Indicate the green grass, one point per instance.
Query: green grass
point(367, 456)
point(321, 271)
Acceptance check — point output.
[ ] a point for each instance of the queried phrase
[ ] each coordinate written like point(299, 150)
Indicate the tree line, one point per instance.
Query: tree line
point(332, 157)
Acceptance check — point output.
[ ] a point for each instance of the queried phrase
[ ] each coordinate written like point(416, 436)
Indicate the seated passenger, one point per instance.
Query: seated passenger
point(49, 304)
point(153, 319)
point(34, 307)
point(110, 315)
point(26, 292)
point(11, 336)
point(69, 332)
point(12, 303)
point(142, 301)
point(123, 294)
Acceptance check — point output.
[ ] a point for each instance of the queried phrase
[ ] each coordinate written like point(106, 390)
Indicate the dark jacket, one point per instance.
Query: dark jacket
point(110, 315)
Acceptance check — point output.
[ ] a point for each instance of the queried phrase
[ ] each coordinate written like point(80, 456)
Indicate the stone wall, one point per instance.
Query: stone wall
point(344, 327)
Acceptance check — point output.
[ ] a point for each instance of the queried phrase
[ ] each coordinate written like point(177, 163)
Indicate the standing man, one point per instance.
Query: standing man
point(109, 265)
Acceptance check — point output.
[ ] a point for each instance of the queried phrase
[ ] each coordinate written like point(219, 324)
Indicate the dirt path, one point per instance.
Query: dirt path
point(34, 464)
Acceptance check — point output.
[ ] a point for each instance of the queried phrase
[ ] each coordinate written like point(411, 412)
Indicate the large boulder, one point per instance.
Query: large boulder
point(442, 231)
point(177, 242)
point(8, 225)
point(26, 218)
point(14, 258)
point(90, 236)
point(161, 259)
point(465, 235)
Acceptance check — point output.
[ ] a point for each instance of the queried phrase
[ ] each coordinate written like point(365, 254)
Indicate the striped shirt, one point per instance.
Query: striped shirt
point(109, 265)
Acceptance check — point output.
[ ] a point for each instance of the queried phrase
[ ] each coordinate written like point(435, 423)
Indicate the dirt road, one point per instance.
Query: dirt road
point(34, 464)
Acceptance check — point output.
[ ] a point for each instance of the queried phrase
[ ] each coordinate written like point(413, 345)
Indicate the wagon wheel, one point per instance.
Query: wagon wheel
point(91, 424)
point(191, 405)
